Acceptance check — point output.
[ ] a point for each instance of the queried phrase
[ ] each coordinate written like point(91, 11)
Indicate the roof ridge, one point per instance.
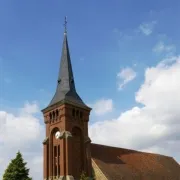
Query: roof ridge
point(131, 150)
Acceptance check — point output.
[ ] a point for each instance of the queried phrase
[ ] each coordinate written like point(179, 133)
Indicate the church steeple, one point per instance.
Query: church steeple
point(67, 143)
point(66, 85)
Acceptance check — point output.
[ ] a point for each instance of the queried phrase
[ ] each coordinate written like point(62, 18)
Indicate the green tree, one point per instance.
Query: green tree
point(83, 176)
point(16, 169)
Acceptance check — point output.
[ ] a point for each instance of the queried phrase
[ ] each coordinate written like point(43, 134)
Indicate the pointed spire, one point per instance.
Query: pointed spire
point(65, 85)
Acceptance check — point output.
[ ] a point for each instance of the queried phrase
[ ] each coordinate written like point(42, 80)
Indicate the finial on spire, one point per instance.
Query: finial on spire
point(65, 24)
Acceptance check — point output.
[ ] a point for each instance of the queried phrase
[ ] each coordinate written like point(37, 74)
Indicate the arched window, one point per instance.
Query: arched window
point(50, 116)
point(77, 153)
point(57, 113)
point(77, 113)
point(81, 115)
point(55, 149)
point(73, 112)
point(53, 115)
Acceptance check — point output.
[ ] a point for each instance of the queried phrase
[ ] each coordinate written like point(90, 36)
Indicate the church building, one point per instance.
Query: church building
point(68, 150)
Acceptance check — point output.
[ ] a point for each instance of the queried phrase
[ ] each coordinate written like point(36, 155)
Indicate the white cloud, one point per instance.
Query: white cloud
point(147, 28)
point(154, 127)
point(36, 165)
point(30, 108)
point(125, 76)
point(102, 106)
point(22, 132)
point(161, 47)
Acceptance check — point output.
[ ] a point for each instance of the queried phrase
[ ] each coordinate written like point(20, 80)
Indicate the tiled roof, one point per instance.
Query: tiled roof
point(119, 163)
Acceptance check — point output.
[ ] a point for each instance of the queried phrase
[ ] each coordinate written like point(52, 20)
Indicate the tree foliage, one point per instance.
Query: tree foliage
point(83, 176)
point(16, 169)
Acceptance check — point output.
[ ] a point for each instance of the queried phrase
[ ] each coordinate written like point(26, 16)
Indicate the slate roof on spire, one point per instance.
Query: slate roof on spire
point(66, 85)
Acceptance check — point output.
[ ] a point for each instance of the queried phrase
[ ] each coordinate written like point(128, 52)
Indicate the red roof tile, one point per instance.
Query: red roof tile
point(119, 163)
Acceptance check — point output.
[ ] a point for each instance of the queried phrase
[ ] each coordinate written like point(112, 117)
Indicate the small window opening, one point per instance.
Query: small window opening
point(77, 113)
point(58, 169)
point(57, 113)
point(53, 115)
point(58, 160)
point(81, 115)
point(55, 151)
point(73, 112)
point(59, 80)
point(55, 160)
point(50, 115)
point(58, 150)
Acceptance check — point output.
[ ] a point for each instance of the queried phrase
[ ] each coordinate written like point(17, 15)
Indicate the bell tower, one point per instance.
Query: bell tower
point(67, 144)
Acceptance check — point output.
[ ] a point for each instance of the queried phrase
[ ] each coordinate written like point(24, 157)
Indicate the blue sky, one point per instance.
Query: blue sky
point(31, 38)
point(106, 38)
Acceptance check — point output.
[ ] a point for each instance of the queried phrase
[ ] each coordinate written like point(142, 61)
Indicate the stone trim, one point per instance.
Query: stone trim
point(85, 107)
point(65, 135)
point(87, 140)
point(46, 140)
point(68, 177)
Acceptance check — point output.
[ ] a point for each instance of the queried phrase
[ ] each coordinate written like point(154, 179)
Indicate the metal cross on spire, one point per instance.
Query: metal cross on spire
point(65, 24)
